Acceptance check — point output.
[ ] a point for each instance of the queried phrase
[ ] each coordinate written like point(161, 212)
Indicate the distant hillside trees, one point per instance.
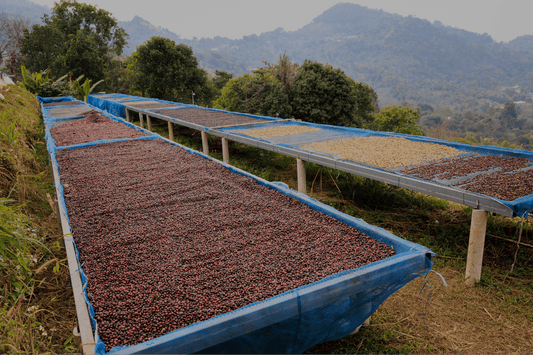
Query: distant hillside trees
point(398, 119)
point(76, 39)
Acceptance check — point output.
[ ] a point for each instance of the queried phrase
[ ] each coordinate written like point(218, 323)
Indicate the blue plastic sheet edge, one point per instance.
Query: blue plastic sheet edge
point(414, 259)
point(117, 108)
point(56, 99)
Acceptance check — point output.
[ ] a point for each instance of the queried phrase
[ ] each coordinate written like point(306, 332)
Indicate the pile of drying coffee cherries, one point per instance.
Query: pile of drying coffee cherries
point(510, 179)
point(154, 106)
point(92, 128)
point(63, 103)
point(209, 118)
point(505, 186)
point(168, 238)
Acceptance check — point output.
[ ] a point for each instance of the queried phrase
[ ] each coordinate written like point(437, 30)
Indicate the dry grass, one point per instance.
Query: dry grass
point(461, 319)
point(452, 319)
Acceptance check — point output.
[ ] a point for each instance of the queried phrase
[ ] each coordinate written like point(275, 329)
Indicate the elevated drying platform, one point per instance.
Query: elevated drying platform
point(142, 253)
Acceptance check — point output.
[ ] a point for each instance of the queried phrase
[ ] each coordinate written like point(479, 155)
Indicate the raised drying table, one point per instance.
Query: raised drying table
point(481, 202)
point(292, 320)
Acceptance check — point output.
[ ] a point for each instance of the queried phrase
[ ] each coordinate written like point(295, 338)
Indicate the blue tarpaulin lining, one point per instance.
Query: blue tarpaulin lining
point(118, 109)
point(107, 103)
point(47, 100)
point(519, 206)
point(295, 320)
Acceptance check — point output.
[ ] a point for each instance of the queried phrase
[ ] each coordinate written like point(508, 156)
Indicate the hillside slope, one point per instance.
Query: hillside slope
point(24, 8)
point(402, 58)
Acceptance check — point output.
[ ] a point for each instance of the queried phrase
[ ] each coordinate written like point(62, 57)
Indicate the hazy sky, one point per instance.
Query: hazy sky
point(504, 20)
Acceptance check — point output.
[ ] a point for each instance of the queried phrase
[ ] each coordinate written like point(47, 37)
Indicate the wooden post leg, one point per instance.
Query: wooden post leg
point(141, 118)
point(474, 260)
point(225, 150)
point(205, 145)
point(300, 167)
point(128, 116)
point(149, 122)
point(170, 131)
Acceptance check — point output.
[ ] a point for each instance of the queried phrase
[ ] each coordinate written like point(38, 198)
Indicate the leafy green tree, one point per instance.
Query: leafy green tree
point(167, 70)
point(79, 57)
point(77, 38)
point(119, 78)
point(258, 94)
point(70, 17)
point(217, 82)
point(41, 48)
point(366, 103)
point(221, 79)
point(398, 119)
point(284, 71)
point(324, 95)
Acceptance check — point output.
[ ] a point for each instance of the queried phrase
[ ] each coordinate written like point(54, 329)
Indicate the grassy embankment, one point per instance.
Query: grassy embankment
point(36, 306)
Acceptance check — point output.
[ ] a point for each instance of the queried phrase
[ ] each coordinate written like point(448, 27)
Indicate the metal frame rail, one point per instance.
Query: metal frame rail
point(464, 197)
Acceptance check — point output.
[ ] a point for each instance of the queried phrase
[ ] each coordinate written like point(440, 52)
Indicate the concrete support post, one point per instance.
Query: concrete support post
point(128, 115)
point(476, 244)
point(225, 150)
point(141, 119)
point(300, 167)
point(149, 122)
point(170, 131)
point(205, 145)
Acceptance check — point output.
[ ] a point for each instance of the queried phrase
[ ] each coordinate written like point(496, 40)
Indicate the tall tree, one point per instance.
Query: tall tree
point(77, 38)
point(259, 94)
point(284, 70)
point(167, 70)
point(366, 103)
point(221, 79)
point(322, 94)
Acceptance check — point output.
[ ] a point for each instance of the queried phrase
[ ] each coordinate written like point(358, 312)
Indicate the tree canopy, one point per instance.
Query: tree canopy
point(167, 70)
point(322, 94)
point(259, 94)
point(312, 92)
point(77, 38)
point(398, 119)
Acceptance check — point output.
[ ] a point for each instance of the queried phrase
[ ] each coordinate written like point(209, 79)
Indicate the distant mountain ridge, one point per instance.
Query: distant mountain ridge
point(25, 8)
point(402, 58)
